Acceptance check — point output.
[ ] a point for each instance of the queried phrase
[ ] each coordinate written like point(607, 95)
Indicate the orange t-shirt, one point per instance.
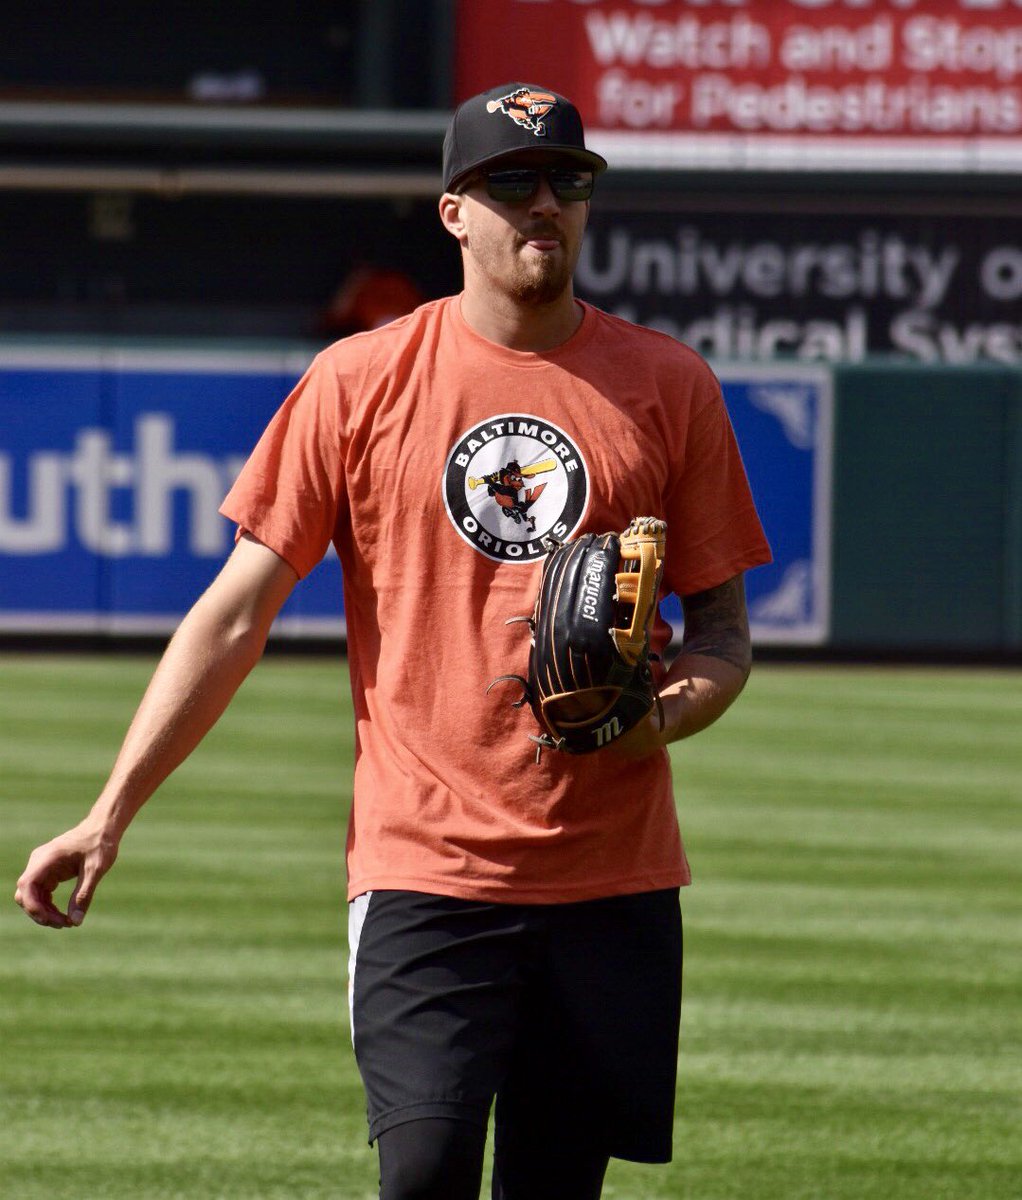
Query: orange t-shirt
point(435, 461)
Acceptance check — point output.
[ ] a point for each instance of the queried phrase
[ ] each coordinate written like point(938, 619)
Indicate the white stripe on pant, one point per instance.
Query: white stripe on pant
point(357, 910)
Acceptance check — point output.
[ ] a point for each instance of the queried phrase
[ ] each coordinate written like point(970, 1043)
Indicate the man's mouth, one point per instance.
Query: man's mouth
point(543, 239)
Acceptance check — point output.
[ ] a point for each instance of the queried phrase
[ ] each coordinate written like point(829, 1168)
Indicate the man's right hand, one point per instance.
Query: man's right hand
point(215, 647)
point(85, 854)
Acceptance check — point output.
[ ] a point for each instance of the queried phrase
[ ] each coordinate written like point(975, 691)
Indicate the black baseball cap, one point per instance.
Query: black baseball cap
point(509, 119)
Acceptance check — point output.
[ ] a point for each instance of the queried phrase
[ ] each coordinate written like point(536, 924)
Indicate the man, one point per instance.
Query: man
point(514, 926)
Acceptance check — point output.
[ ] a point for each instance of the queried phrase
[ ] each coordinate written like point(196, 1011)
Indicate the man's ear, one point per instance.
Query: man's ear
point(451, 216)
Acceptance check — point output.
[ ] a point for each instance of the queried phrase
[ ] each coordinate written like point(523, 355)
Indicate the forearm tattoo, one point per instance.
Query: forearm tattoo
point(717, 624)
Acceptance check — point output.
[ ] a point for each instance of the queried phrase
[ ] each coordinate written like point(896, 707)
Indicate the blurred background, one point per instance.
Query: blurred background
point(823, 198)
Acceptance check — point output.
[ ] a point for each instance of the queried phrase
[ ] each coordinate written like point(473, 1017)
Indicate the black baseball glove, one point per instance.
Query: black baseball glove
point(589, 678)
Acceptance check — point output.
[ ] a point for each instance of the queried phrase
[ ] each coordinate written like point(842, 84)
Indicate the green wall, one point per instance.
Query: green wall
point(927, 515)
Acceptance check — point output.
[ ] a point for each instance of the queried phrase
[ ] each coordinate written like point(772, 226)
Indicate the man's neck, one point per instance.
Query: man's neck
point(533, 328)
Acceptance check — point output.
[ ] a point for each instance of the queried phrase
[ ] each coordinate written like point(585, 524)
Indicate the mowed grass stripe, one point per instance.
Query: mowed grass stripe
point(190, 1041)
point(851, 1021)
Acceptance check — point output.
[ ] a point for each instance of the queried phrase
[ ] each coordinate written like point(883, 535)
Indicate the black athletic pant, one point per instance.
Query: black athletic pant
point(565, 1015)
point(439, 1158)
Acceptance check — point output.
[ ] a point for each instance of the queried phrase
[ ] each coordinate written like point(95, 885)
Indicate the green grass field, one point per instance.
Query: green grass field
point(853, 994)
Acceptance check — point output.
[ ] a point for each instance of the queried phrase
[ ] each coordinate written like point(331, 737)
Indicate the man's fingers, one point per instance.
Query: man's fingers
point(81, 897)
point(80, 854)
point(53, 918)
point(37, 901)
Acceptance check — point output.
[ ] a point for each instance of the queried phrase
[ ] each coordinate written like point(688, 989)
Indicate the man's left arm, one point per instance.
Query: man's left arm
point(709, 671)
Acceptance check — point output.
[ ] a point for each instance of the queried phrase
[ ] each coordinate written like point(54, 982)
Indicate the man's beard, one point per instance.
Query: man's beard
point(535, 279)
point(542, 282)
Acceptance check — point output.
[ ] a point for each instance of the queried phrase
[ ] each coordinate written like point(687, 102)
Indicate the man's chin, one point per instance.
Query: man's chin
point(541, 288)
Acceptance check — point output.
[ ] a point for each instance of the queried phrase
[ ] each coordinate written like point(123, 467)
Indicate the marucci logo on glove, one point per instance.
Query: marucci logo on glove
point(510, 481)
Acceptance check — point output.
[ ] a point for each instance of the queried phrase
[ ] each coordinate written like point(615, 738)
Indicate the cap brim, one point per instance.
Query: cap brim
point(585, 158)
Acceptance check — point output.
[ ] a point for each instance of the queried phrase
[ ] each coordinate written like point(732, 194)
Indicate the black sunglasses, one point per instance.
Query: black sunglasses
point(521, 183)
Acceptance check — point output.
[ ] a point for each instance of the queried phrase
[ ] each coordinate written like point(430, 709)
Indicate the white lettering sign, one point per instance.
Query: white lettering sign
point(81, 488)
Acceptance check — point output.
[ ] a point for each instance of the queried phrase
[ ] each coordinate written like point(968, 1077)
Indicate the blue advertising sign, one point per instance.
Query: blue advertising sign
point(783, 419)
point(113, 465)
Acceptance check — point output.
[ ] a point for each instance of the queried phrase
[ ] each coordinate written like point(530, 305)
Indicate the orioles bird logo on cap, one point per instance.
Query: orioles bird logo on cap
point(524, 107)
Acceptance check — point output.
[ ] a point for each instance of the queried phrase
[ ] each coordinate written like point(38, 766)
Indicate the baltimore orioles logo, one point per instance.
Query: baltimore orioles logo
point(525, 107)
point(493, 497)
point(505, 484)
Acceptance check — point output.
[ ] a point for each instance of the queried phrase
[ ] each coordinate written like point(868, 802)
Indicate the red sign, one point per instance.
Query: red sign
point(800, 83)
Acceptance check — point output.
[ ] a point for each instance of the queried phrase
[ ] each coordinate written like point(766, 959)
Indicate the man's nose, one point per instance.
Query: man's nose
point(544, 201)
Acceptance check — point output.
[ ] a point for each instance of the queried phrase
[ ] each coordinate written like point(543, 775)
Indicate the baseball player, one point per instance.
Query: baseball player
point(514, 925)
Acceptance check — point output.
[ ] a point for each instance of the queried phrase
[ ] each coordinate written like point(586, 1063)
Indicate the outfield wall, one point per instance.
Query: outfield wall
point(892, 495)
point(927, 508)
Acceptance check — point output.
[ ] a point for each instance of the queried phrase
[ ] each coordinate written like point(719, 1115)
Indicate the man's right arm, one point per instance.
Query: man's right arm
point(217, 644)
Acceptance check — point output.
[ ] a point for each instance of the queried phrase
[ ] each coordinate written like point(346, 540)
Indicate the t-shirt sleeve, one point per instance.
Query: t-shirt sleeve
point(291, 491)
point(714, 531)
